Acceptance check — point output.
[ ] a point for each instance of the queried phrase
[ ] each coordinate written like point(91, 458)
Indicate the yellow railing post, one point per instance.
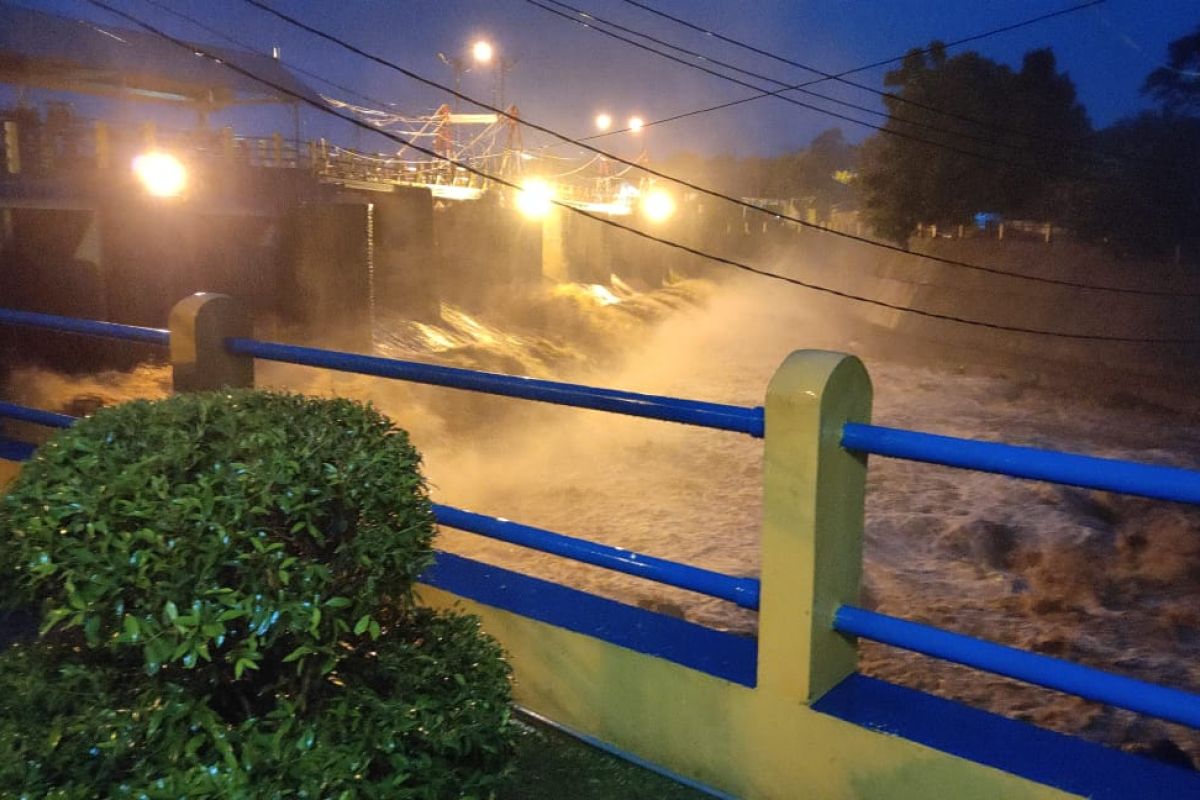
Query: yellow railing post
point(199, 326)
point(813, 494)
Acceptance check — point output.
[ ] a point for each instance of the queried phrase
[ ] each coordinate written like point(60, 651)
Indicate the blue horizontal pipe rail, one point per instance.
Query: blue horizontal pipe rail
point(16, 450)
point(738, 419)
point(1090, 472)
point(1087, 682)
point(87, 327)
point(742, 591)
point(38, 417)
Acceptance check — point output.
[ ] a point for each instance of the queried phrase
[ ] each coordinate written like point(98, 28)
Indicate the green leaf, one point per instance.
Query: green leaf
point(298, 653)
point(242, 665)
point(363, 622)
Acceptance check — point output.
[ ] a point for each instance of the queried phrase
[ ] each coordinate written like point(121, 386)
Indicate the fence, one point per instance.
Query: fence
point(66, 145)
point(772, 717)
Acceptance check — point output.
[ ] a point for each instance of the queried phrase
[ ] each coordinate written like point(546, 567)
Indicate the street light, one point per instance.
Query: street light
point(658, 205)
point(636, 124)
point(482, 52)
point(535, 199)
point(161, 174)
point(603, 121)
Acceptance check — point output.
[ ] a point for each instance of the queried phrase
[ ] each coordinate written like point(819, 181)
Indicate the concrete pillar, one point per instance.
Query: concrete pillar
point(199, 326)
point(813, 497)
point(325, 272)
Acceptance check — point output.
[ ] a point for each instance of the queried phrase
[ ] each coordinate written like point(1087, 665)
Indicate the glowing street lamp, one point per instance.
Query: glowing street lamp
point(161, 174)
point(636, 124)
point(536, 198)
point(482, 51)
point(603, 121)
point(658, 205)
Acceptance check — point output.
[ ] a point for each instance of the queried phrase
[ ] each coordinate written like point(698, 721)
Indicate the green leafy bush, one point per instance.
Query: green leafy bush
point(226, 584)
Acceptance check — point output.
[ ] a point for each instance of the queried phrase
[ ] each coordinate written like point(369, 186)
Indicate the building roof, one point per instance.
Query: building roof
point(74, 55)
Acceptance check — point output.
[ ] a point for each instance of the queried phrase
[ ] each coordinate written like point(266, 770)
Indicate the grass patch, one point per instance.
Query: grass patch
point(552, 765)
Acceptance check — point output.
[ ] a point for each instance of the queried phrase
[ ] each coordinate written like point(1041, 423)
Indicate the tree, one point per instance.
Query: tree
point(1177, 84)
point(1147, 202)
point(993, 139)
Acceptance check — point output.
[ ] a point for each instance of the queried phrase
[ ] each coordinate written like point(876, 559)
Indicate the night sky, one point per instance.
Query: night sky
point(565, 73)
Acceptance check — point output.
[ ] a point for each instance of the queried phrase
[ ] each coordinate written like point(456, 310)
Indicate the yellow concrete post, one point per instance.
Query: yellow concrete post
point(103, 146)
point(228, 151)
point(277, 149)
point(813, 496)
point(199, 326)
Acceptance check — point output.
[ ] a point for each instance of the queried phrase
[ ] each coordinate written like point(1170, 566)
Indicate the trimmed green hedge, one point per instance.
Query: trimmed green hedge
point(226, 583)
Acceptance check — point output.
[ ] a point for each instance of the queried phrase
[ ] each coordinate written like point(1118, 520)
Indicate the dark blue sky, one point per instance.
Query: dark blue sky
point(565, 73)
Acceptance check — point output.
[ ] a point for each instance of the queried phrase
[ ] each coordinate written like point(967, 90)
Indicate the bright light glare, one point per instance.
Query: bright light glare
point(535, 199)
point(658, 205)
point(603, 121)
point(482, 51)
point(162, 174)
point(636, 124)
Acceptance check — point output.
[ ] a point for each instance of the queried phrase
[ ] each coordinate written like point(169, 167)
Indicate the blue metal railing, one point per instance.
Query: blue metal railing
point(743, 591)
point(1053, 673)
point(49, 419)
point(1108, 474)
point(86, 327)
point(738, 419)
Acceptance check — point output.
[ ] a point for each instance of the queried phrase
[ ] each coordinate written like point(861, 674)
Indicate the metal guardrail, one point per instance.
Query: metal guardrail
point(86, 327)
point(1070, 469)
point(1052, 673)
point(738, 419)
point(49, 419)
point(743, 591)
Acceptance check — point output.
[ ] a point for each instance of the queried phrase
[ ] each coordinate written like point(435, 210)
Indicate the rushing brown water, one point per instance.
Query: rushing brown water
point(1100, 579)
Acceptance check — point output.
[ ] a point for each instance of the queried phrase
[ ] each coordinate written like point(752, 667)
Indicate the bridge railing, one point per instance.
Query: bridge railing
point(817, 433)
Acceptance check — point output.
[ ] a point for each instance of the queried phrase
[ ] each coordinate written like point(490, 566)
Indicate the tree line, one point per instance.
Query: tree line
point(966, 134)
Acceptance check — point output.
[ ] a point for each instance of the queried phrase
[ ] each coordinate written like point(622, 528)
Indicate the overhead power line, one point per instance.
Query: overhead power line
point(588, 22)
point(873, 65)
point(987, 124)
point(642, 234)
point(613, 223)
point(695, 187)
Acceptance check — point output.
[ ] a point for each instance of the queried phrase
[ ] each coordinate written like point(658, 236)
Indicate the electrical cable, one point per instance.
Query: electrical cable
point(614, 224)
point(696, 187)
point(864, 87)
point(793, 101)
point(588, 18)
point(882, 63)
